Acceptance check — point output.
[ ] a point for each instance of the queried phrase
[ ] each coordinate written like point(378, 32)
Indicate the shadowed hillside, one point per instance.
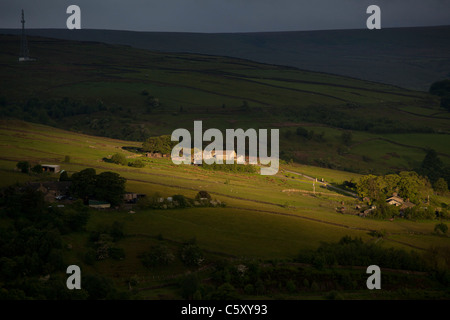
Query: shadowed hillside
point(127, 93)
point(408, 57)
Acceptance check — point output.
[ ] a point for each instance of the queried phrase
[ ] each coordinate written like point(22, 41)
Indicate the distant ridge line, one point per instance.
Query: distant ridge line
point(410, 58)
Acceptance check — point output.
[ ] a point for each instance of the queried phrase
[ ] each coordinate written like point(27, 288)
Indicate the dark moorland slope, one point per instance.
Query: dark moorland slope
point(407, 57)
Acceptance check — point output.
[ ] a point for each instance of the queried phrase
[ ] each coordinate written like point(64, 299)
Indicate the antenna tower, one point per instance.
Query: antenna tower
point(24, 53)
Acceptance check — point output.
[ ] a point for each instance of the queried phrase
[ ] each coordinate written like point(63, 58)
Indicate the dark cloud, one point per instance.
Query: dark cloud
point(224, 15)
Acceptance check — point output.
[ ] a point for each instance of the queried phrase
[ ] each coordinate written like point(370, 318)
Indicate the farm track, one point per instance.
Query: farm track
point(326, 184)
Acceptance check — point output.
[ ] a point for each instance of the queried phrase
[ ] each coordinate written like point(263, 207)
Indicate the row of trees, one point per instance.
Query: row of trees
point(407, 184)
point(347, 120)
point(354, 252)
point(202, 199)
point(160, 255)
point(415, 185)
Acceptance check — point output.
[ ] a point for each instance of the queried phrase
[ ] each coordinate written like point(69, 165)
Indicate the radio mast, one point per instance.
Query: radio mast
point(24, 53)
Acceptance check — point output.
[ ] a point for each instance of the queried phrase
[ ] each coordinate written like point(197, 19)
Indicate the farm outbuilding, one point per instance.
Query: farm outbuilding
point(399, 202)
point(99, 204)
point(131, 197)
point(52, 190)
point(53, 168)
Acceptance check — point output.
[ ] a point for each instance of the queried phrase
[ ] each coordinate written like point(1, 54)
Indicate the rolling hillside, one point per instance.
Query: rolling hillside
point(264, 219)
point(407, 57)
point(285, 197)
point(127, 93)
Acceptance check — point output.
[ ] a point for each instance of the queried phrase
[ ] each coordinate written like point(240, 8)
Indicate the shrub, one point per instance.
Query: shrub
point(225, 292)
point(203, 195)
point(37, 169)
point(117, 253)
point(64, 176)
point(249, 289)
point(302, 132)
point(384, 211)
point(137, 164)
point(23, 166)
point(90, 257)
point(189, 285)
point(291, 287)
point(441, 228)
point(117, 232)
point(119, 158)
point(440, 186)
point(159, 255)
point(181, 200)
point(191, 255)
point(334, 295)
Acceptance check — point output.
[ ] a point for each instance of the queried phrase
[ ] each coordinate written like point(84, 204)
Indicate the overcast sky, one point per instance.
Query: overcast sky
point(224, 15)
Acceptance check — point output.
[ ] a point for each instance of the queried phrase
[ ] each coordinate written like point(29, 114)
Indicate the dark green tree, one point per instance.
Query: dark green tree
point(347, 138)
point(110, 186)
point(441, 228)
point(23, 166)
point(182, 201)
point(84, 184)
point(445, 102)
point(37, 169)
point(189, 284)
point(440, 186)
point(64, 176)
point(431, 166)
point(302, 132)
point(162, 144)
point(159, 255)
point(98, 287)
point(117, 231)
point(225, 292)
point(191, 255)
point(440, 88)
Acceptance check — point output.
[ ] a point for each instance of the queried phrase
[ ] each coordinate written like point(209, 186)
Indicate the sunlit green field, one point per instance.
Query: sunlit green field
point(265, 216)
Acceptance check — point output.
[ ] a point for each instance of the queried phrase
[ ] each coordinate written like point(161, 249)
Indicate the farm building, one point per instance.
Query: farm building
point(53, 168)
point(52, 190)
point(397, 201)
point(227, 155)
point(131, 197)
point(157, 155)
point(99, 204)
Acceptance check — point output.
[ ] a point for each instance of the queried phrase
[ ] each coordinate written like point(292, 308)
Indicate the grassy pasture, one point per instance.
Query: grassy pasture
point(262, 216)
point(213, 89)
